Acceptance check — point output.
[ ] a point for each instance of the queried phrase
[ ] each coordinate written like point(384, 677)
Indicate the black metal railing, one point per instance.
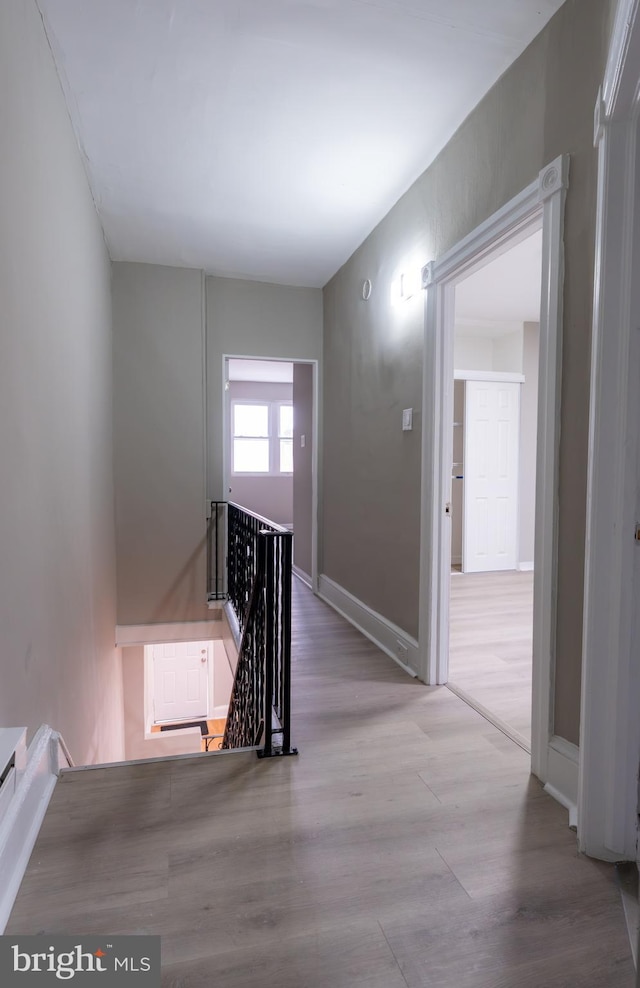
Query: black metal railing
point(258, 586)
point(244, 527)
point(216, 550)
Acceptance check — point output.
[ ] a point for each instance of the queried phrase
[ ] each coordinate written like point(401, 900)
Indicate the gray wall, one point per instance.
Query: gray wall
point(57, 567)
point(540, 108)
point(271, 497)
point(303, 467)
point(158, 324)
point(254, 319)
point(528, 442)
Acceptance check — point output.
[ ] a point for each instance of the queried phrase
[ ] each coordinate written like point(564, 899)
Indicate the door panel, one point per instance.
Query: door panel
point(181, 681)
point(490, 511)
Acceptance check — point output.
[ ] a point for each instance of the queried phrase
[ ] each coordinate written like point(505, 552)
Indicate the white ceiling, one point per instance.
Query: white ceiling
point(266, 138)
point(271, 371)
point(504, 293)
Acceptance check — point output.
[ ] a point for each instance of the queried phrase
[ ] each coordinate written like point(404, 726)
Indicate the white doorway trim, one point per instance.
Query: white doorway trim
point(609, 721)
point(226, 449)
point(540, 205)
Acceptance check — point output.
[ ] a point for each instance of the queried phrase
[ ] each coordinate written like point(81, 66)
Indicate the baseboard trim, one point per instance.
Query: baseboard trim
point(175, 631)
point(387, 636)
point(525, 567)
point(302, 576)
point(562, 775)
point(24, 815)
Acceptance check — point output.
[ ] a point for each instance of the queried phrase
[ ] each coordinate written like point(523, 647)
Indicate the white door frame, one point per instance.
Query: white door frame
point(540, 205)
point(226, 447)
point(610, 711)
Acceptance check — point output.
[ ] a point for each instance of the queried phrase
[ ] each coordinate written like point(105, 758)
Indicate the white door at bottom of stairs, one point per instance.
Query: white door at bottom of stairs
point(181, 681)
point(491, 447)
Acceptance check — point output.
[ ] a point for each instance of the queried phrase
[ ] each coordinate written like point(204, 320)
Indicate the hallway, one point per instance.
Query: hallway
point(405, 847)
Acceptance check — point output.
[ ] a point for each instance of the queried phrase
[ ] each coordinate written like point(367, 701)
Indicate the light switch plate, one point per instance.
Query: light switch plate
point(407, 419)
point(303, 440)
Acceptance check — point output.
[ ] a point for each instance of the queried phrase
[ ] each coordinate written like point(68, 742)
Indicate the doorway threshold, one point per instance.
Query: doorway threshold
point(498, 722)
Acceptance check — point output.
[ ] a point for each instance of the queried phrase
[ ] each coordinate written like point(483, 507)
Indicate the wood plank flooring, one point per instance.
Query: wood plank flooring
point(405, 847)
point(490, 643)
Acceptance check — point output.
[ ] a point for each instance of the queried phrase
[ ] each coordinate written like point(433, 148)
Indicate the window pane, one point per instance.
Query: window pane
point(286, 456)
point(251, 456)
point(286, 421)
point(251, 420)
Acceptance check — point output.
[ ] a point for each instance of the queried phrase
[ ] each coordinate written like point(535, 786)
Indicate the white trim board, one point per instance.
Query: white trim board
point(609, 723)
point(540, 205)
point(562, 775)
point(302, 576)
point(178, 631)
point(504, 377)
point(387, 636)
point(24, 815)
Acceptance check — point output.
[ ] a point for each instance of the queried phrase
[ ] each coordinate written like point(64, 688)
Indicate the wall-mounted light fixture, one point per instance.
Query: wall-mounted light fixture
point(407, 284)
point(410, 283)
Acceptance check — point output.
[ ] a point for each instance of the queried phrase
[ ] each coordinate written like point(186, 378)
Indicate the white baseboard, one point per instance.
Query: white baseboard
point(304, 577)
point(400, 646)
point(175, 631)
point(456, 560)
point(562, 775)
point(525, 567)
point(220, 712)
point(24, 815)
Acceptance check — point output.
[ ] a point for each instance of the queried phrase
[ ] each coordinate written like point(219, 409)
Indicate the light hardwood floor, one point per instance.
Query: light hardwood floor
point(490, 643)
point(405, 847)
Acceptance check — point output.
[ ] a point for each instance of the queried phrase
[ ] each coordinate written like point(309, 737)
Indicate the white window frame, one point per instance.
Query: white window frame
point(273, 437)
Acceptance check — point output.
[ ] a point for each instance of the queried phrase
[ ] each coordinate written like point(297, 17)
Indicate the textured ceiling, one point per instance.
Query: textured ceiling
point(266, 138)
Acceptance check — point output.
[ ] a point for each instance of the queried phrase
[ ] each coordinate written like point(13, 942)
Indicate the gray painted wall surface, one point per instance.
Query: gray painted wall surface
point(159, 445)
point(271, 497)
point(57, 563)
point(253, 319)
point(303, 467)
point(540, 108)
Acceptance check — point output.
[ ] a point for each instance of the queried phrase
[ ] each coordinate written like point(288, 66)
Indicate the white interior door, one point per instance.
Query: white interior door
point(491, 441)
point(181, 681)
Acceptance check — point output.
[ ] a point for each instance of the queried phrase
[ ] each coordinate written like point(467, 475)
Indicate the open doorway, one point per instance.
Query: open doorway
point(270, 442)
point(539, 206)
point(493, 483)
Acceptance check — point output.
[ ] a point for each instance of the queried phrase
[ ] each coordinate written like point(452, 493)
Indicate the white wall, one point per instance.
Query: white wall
point(487, 350)
point(507, 352)
point(57, 563)
point(472, 352)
